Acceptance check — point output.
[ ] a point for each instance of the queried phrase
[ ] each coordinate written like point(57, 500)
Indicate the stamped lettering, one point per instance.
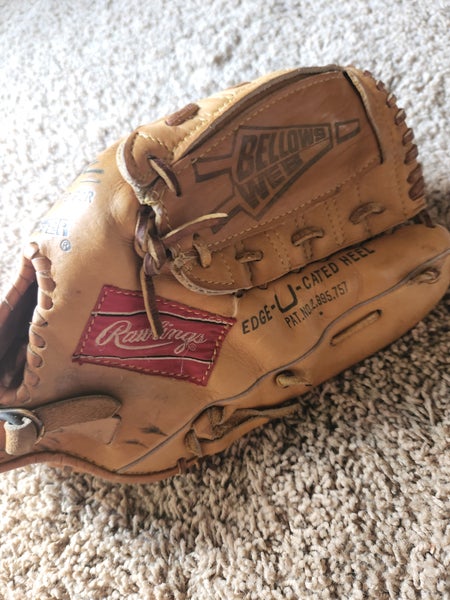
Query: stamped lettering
point(308, 292)
point(266, 161)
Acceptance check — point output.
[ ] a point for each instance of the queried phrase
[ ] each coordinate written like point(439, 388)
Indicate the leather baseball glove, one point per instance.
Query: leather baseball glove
point(210, 267)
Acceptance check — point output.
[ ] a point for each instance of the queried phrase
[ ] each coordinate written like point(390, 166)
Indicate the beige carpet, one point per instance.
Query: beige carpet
point(349, 498)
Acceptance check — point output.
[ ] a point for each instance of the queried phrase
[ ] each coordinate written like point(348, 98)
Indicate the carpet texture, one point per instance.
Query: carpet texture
point(350, 497)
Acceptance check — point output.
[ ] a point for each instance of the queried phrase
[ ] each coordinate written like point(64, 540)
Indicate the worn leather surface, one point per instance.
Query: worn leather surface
point(255, 309)
point(291, 152)
point(310, 325)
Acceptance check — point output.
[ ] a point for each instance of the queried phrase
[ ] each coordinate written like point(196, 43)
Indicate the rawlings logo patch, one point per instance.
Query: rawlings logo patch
point(266, 161)
point(118, 335)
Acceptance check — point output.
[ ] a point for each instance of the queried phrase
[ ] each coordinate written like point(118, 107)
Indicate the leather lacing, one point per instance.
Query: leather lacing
point(365, 210)
point(155, 250)
point(428, 276)
point(287, 379)
point(250, 256)
point(361, 212)
point(214, 424)
point(415, 177)
point(306, 234)
point(35, 285)
point(46, 287)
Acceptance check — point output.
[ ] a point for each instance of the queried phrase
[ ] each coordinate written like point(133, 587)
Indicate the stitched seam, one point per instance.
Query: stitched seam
point(205, 316)
point(208, 116)
point(195, 278)
point(320, 198)
point(231, 284)
point(337, 213)
point(365, 222)
point(307, 247)
point(149, 136)
point(225, 322)
point(331, 221)
point(119, 365)
point(276, 247)
point(91, 322)
point(217, 345)
point(385, 116)
point(199, 122)
point(228, 99)
point(397, 165)
point(276, 100)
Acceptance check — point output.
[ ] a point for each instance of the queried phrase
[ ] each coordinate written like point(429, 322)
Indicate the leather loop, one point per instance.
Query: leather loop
point(20, 439)
point(133, 164)
point(216, 423)
point(24, 428)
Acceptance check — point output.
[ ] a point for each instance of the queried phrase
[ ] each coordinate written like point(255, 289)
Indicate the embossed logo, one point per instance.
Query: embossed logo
point(118, 335)
point(266, 161)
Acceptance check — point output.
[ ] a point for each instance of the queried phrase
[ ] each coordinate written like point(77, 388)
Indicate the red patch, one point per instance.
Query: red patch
point(118, 335)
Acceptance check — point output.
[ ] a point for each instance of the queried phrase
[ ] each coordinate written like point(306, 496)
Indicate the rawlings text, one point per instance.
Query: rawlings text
point(118, 335)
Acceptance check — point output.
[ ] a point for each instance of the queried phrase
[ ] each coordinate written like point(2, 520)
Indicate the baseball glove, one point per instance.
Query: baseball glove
point(210, 267)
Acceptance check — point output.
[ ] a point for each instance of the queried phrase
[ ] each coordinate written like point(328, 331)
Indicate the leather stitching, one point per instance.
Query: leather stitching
point(150, 137)
point(320, 198)
point(189, 310)
point(231, 283)
point(268, 104)
point(340, 228)
point(276, 247)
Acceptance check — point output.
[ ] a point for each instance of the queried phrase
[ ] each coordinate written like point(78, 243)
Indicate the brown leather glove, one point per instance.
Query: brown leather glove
point(210, 267)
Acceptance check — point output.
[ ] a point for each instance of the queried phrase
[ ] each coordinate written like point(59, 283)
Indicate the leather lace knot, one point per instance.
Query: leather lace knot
point(152, 246)
point(155, 250)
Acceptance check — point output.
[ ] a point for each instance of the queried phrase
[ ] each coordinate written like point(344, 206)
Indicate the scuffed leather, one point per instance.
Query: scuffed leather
point(255, 308)
point(344, 146)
